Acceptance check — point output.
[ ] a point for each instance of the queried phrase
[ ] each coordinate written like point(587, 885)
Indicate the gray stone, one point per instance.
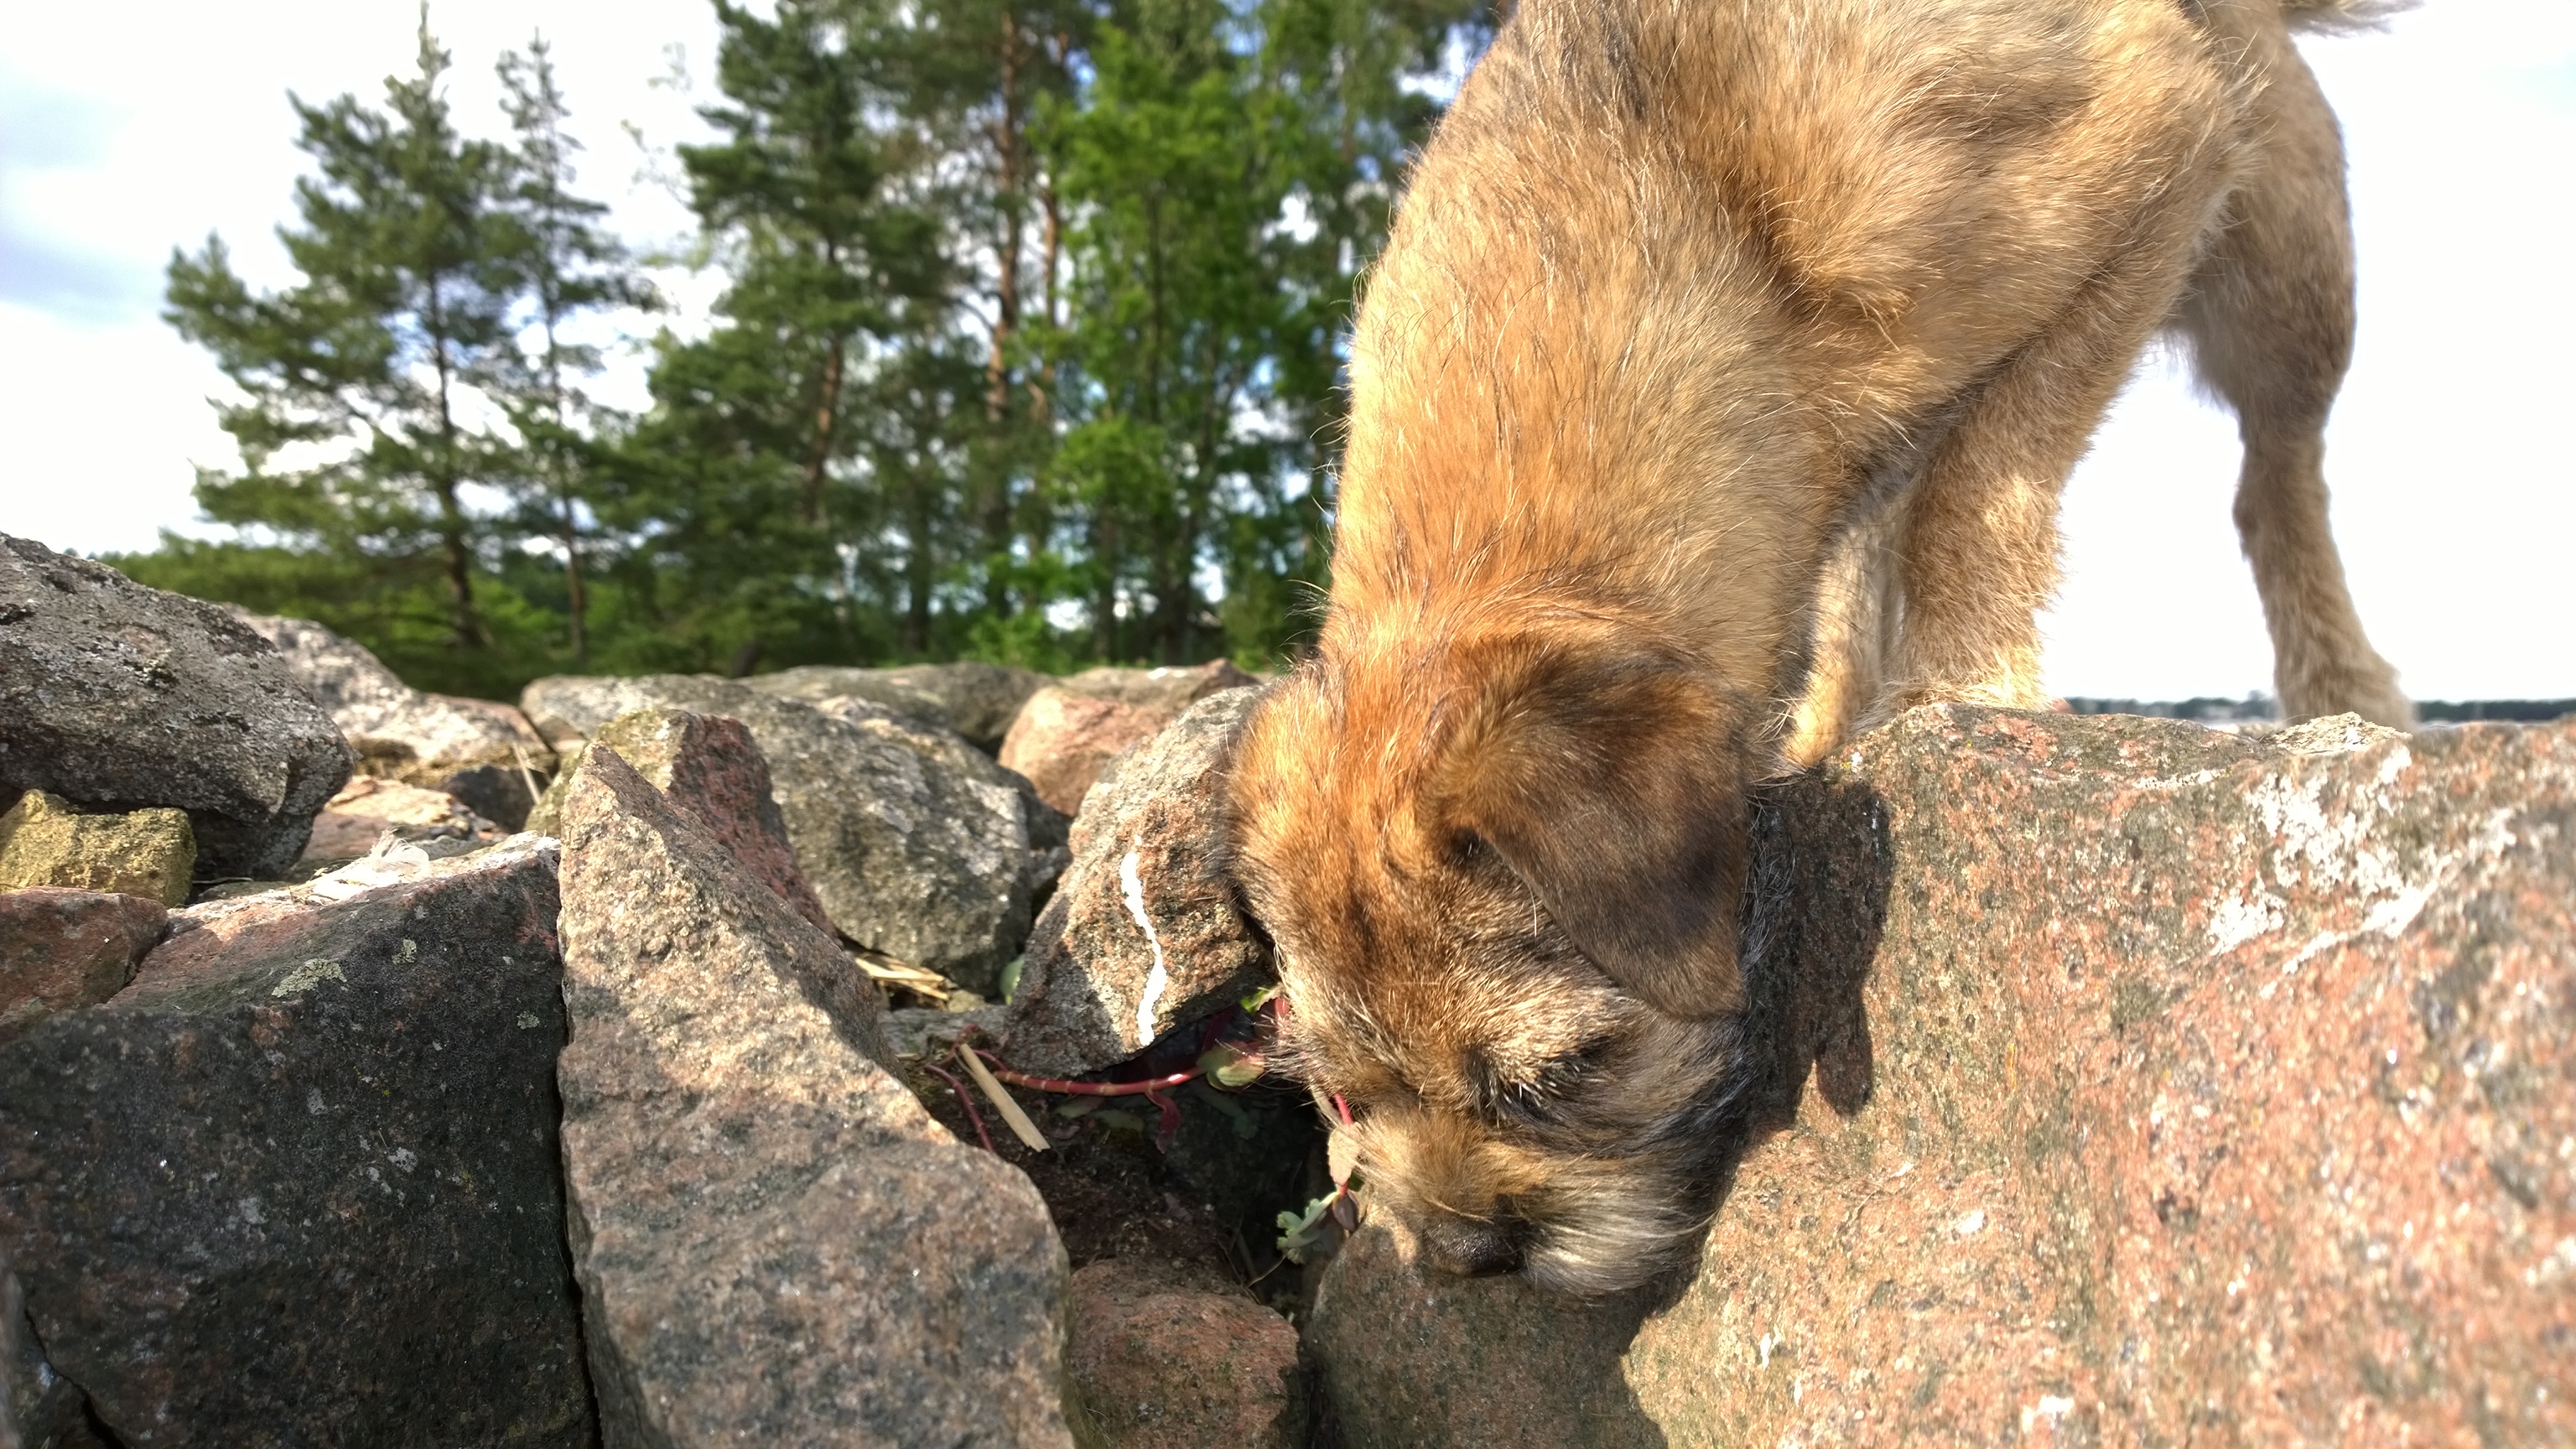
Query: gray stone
point(2134, 1083)
point(61, 949)
point(775, 1242)
point(118, 697)
point(912, 856)
point(299, 1182)
point(976, 701)
point(401, 733)
point(1097, 988)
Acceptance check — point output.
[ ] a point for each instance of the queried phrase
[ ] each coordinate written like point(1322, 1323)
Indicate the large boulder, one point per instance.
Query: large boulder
point(61, 949)
point(911, 855)
point(1143, 935)
point(117, 697)
point(45, 842)
point(2166, 1085)
point(775, 1242)
point(1066, 734)
point(401, 733)
point(977, 701)
point(1161, 1362)
point(299, 1182)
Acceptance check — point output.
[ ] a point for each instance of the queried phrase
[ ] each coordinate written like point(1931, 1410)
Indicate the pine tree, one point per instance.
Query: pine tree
point(571, 265)
point(802, 479)
point(361, 426)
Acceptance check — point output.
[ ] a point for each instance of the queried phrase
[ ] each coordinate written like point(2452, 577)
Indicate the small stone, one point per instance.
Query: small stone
point(61, 949)
point(117, 697)
point(299, 1182)
point(1159, 1363)
point(45, 842)
point(775, 1242)
point(1143, 936)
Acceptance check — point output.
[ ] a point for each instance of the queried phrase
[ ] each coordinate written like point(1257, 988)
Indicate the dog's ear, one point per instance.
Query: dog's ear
point(1611, 781)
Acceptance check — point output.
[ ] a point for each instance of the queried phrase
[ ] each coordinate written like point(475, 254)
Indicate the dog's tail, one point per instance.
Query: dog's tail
point(2341, 15)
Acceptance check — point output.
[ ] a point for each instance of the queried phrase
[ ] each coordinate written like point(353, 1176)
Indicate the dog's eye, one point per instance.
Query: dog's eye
point(1541, 1093)
point(1466, 847)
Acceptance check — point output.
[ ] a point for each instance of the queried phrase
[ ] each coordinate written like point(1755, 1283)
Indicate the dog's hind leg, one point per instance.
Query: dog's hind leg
point(1978, 552)
point(2269, 315)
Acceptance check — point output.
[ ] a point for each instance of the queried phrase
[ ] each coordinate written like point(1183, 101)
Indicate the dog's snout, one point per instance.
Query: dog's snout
point(1474, 1249)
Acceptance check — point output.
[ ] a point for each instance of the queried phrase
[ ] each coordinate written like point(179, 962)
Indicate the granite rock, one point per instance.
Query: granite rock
point(39, 1408)
point(911, 856)
point(45, 842)
point(1169, 688)
point(2135, 1083)
point(711, 772)
point(1066, 734)
point(61, 949)
point(398, 732)
point(1161, 1363)
point(976, 701)
point(776, 1244)
point(299, 1182)
point(1143, 935)
point(1062, 742)
point(117, 697)
point(369, 807)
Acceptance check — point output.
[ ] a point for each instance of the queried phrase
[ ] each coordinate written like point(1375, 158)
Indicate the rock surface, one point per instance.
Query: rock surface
point(399, 732)
point(1143, 935)
point(2217, 1087)
point(775, 1242)
point(1159, 1363)
point(1170, 688)
point(1066, 734)
point(118, 697)
point(911, 856)
point(710, 771)
point(976, 701)
point(367, 807)
point(45, 842)
point(299, 1182)
point(1063, 741)
point(61, 949)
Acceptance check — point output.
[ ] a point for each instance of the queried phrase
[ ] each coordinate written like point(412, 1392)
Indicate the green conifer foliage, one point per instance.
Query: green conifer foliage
point(364, 419)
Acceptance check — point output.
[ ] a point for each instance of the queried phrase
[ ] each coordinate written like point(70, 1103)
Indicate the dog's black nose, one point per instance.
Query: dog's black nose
point(1476, 1249)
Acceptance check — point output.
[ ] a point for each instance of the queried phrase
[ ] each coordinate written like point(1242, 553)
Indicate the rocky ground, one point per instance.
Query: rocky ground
point(619, 1067)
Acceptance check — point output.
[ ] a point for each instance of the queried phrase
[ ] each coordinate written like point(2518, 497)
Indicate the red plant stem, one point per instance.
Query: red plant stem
point(1082, 1089)
point(967, 1102)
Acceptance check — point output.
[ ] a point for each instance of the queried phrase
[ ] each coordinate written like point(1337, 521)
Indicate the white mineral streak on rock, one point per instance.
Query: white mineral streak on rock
point(1159, 977)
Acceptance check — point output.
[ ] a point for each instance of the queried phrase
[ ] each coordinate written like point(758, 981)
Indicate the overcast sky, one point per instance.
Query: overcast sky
point(128, 129)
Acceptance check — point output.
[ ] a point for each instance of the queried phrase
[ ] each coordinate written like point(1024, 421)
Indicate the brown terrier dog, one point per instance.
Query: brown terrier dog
point(1712, 399)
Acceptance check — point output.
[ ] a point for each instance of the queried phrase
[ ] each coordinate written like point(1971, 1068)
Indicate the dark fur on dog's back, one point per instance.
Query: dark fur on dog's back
point(1714, 395)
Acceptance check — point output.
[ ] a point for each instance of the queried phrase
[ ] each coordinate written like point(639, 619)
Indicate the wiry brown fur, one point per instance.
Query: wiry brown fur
point(1714, 396)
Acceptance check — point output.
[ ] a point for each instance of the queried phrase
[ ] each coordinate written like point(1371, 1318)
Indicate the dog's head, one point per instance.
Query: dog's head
point(1504, 877)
